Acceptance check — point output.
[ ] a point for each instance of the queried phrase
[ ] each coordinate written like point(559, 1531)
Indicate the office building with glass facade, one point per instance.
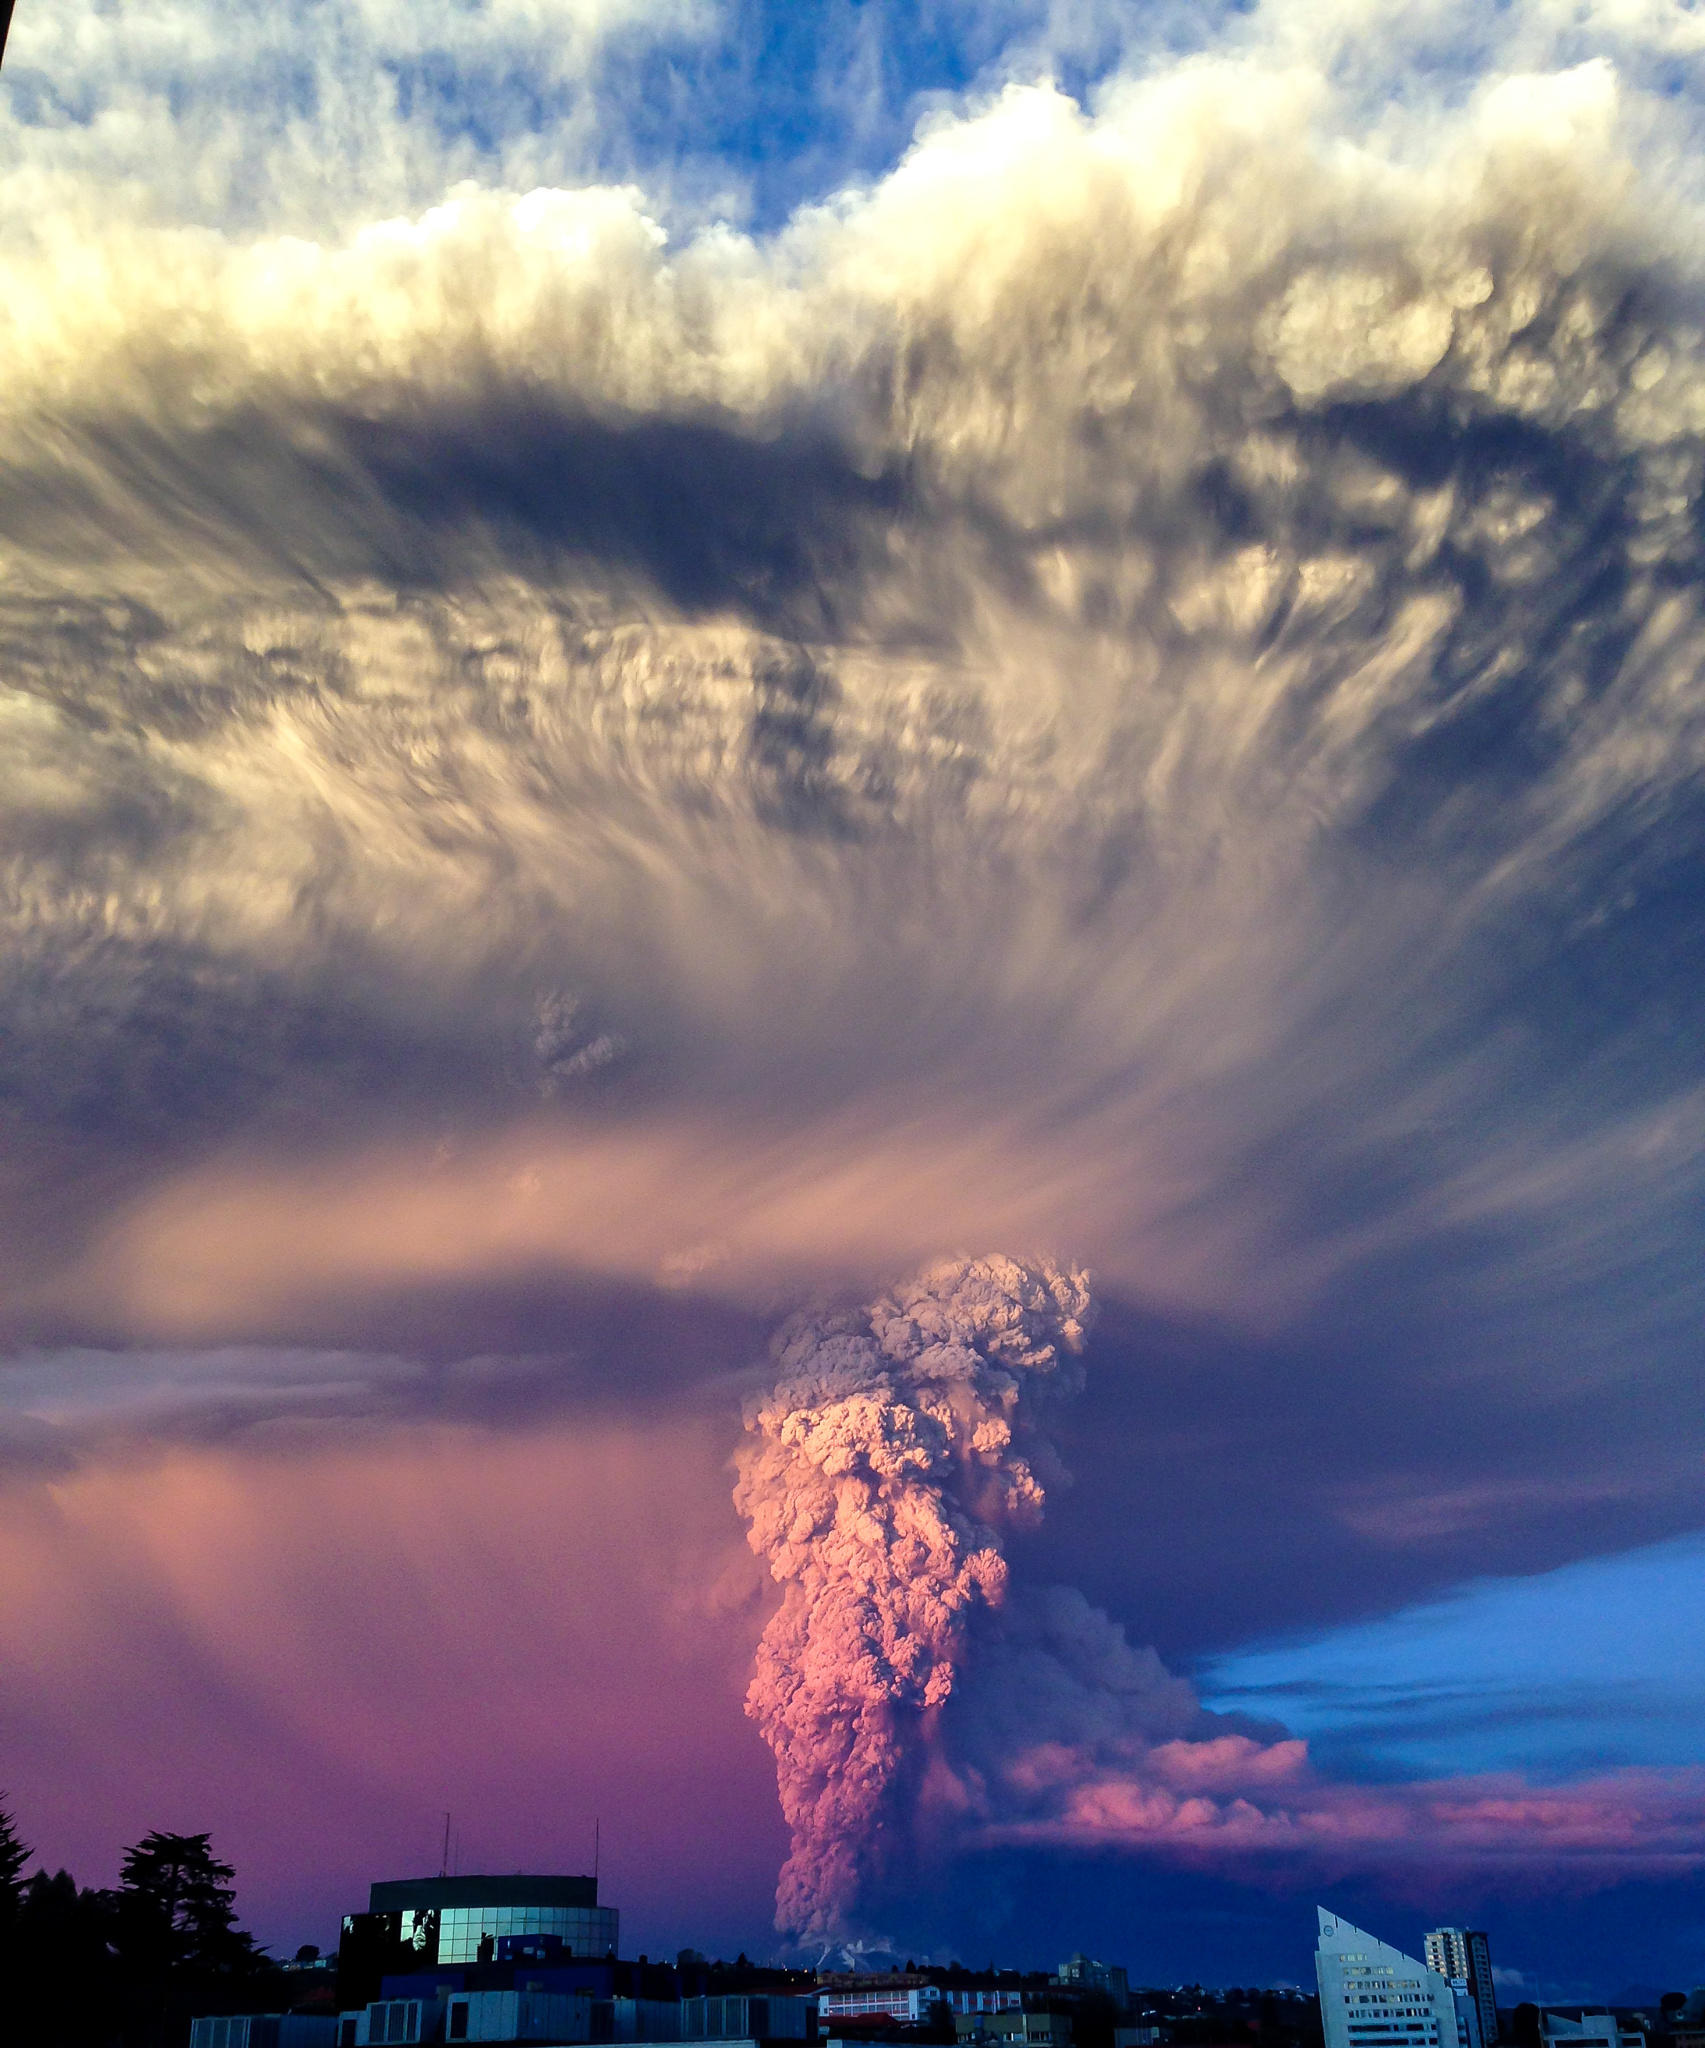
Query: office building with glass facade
point(1374, 1996)
point(470, 1919)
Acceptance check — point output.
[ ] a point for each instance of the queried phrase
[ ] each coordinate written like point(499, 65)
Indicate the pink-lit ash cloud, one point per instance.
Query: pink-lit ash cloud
point(896, 1448)
point(882, 1469)
point(1263, 1808)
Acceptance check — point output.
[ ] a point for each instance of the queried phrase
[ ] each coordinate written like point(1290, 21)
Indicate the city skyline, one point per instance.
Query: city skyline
point(851, 972)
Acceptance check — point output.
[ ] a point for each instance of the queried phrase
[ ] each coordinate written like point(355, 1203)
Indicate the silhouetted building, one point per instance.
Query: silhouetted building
point(975, 1998)
point(639, 2019)
point(264, 2030)
point(392, 2023)
point(741, 2017)
point(559, 2017)
point(1022, 2029)
point(1083, 1973)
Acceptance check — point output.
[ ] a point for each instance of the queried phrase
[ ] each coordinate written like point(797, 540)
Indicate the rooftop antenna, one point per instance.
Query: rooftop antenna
point(595, 1845)
point(444, 1860)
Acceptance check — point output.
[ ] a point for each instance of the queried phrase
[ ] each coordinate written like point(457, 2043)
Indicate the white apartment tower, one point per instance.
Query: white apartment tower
point(1374, 1996)
point(1460, 1955)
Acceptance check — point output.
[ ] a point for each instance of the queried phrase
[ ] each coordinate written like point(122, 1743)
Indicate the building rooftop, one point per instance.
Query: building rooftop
point(428, 1894)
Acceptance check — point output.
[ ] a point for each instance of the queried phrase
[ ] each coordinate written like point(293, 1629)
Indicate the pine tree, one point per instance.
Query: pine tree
point(175, 1907)
point(14, 1854)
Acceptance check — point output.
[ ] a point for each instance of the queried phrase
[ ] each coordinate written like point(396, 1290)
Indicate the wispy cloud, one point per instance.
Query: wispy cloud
point(1574, 1669)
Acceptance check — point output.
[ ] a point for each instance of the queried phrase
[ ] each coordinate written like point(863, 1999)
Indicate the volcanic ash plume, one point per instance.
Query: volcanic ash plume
point(877, 1479)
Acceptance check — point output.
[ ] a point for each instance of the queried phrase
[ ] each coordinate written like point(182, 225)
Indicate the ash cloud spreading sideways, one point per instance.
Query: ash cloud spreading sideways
point(879, 1475)
point(1133, 685)
point(1182, 587)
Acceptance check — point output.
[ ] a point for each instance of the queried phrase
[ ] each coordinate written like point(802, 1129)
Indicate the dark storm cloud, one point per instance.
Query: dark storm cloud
point(64, 1408)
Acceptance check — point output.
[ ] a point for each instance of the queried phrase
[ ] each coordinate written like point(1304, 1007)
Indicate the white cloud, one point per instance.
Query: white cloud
point(311, 114)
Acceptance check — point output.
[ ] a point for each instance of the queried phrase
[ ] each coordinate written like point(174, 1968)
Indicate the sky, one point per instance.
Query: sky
point(852, 965)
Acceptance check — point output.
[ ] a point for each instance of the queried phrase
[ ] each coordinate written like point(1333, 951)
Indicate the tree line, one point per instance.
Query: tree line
point(126, 1967)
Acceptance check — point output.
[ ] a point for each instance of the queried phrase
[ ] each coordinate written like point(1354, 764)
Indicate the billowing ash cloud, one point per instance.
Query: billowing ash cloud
point(1163, 638)
point(1132, 684)
point(1066, 1733)
point(881, 1471)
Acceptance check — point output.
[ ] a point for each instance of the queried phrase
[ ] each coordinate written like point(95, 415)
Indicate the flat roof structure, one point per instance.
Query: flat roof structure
point(444, 1894)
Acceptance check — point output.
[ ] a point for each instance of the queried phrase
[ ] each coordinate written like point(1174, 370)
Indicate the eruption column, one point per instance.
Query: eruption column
point(877, 1477)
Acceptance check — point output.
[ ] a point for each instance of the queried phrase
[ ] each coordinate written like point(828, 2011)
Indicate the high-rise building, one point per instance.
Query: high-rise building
point(1084, 1973)
point(1374, 1996)
point(1460, 1955)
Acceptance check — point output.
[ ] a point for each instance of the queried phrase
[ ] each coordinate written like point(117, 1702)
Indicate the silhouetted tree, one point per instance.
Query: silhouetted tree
point(176, 1907)
point(63, 1986)
point(14, 1854)
point(938, 2022)
point(175, 1930)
